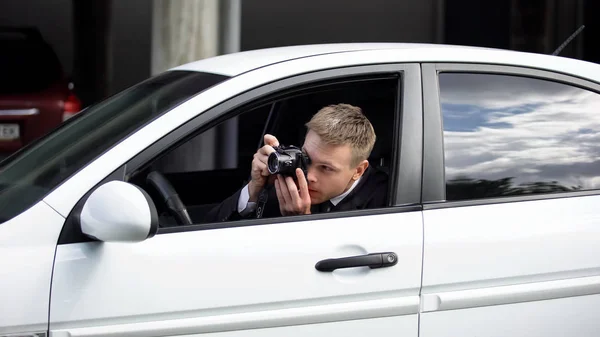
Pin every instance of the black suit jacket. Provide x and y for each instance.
(371, 192)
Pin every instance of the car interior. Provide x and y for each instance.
(283, 115)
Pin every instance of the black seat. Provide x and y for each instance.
(381, 155)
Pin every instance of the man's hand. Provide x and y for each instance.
(260, 173)
(293, 199)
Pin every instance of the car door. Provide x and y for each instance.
(28, 243)
(258, 277)
(511, 203)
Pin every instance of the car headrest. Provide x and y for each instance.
(382, 150)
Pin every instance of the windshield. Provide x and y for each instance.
(27, 176)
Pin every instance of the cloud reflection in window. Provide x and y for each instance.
(512, 135)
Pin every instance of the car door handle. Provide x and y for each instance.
(375, 260)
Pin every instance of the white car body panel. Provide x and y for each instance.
(556, 318)
(27, 246)
(239, 278)
(481, 260)
(497, 295)
(558, 240)
(401, 326)
(238, 63)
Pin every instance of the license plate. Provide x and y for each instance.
(9, 131)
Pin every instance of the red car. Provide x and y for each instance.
(35, 93)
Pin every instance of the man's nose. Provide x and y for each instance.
(311, 175)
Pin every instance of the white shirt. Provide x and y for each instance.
(339, 198)
(246, 207)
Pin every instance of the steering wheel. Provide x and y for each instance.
(170, 197)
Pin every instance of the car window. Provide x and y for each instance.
(216, 163)
(211, 165)
(229, 145)
(510, 135)
(27, 66)
(30, 174)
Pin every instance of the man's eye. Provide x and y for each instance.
(327, 168)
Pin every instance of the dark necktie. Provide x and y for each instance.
(326, 206)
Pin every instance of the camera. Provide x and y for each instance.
(286, 159)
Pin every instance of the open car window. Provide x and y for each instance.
(214, 164)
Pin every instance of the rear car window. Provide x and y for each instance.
(508, 135)
(27, 66)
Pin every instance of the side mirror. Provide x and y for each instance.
(119, 212)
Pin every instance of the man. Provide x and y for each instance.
(338, 141)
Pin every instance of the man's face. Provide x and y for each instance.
(330, 173)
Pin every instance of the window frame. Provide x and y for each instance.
(407, 149)
(434, 179)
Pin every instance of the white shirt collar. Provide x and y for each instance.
(336, 200)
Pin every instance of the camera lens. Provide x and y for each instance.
(273, 163)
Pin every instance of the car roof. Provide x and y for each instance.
(237, 63)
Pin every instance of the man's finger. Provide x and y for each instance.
(271, 140)
(278, 191)
(264, 158)
(293, 189)
(285, 193)
(265, 171)
(262, 167)
(265, 151)
(256, 165)
(302, 184)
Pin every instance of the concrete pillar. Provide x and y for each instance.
(230, 42)
(184, 31)
(188, 30)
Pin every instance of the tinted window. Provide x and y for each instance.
(27, 66)
(512, 135)
(30, 174)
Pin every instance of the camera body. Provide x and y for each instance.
(286, 159)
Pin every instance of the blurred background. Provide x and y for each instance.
(73, 53)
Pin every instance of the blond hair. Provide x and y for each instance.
(345, 124)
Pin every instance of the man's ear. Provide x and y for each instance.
(360, 169)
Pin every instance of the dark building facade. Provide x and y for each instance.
(107, 45)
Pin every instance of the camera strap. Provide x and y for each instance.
(262, 201)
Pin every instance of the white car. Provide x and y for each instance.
(492, 226)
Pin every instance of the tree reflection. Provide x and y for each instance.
(463, 188)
